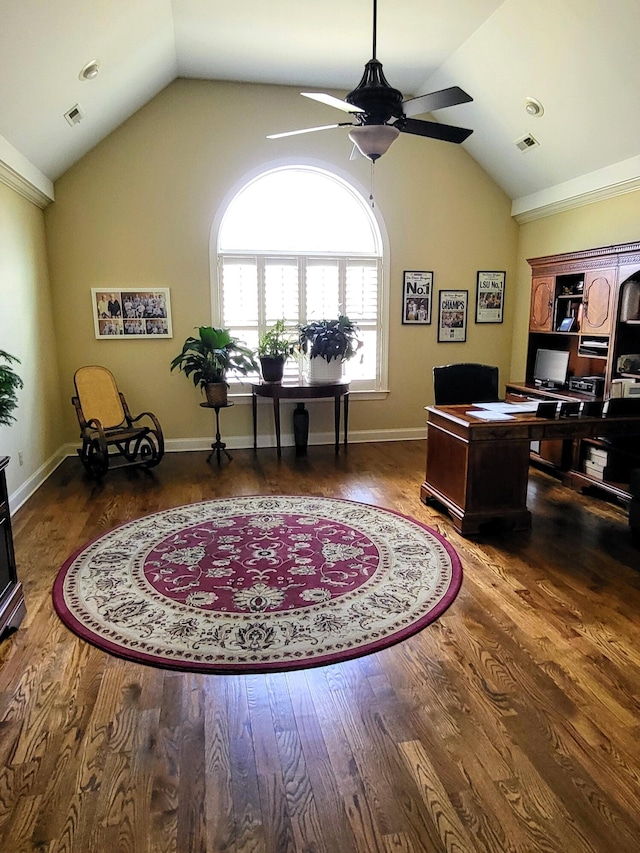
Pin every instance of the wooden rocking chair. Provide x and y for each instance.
(107, 429)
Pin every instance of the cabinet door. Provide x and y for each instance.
(7, 570)
(541, 317)
(597, 300)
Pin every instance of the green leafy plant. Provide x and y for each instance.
(10, 383)
(208, 358)
(276, 342)
(330, 339)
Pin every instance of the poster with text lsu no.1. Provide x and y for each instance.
(490, 297)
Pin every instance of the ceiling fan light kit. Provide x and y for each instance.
(373, 140)
(381, 114)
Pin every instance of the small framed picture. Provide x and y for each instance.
(452, 316)
(417, 297)
(567, 324)
(490, 297)
(131, 312)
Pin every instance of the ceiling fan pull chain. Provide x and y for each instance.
(372, 174)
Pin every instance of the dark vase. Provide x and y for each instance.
(301, 429)
(272, 368)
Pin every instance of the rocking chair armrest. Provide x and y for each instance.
(150, 415)
(95, 424)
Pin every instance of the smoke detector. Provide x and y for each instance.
(533, 107)
(74, 115)
(90, 70)
(527, 142)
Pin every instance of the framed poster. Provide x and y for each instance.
(490, 297)
(452, 316)
(131, 312)
(417, 288)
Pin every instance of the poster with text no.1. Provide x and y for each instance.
(416, 297)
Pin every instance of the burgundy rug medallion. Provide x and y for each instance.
(259, 583)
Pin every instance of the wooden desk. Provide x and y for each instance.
(278, 392)
(478, 469)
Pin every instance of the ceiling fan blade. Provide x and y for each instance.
(307, 130)
(435, 101)
(445, 132)
(332, 102)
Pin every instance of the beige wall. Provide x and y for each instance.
(604, 223)
(138, 211)
(26, 331)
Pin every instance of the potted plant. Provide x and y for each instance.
(274, 348)
(208, 358)
(327, 341)
(10, 383)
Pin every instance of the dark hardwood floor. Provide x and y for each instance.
(510, 724)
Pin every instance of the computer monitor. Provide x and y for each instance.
(551, 368)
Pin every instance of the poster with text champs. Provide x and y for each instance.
(452, 316)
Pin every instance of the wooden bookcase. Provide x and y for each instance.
(587, 303)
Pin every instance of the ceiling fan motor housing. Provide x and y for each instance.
(375, 96)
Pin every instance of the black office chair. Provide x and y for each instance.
(465, 383)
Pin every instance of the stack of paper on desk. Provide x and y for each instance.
(502, 411)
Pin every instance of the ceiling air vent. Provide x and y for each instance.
(74, 115)
(527, 142)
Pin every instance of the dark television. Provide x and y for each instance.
(551, 368)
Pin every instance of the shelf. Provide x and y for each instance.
(619, 490)
(589, 354)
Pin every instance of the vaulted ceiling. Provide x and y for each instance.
(579, 58)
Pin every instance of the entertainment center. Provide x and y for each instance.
(584, 330)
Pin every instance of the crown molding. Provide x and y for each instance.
(21, 175)
(615, 180)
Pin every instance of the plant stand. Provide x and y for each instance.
(218, 445)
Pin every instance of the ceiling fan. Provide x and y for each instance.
(381, 113)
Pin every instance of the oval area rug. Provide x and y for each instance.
(258, 583)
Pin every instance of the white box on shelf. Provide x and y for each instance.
(593, 469)
(598, 454)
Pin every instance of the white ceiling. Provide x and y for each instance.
(578, 57)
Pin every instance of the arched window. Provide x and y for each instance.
(299, 243)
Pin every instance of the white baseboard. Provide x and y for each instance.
(33, 483)
(238, 442)
(178, 445)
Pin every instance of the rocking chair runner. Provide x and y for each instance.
(107, 428)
